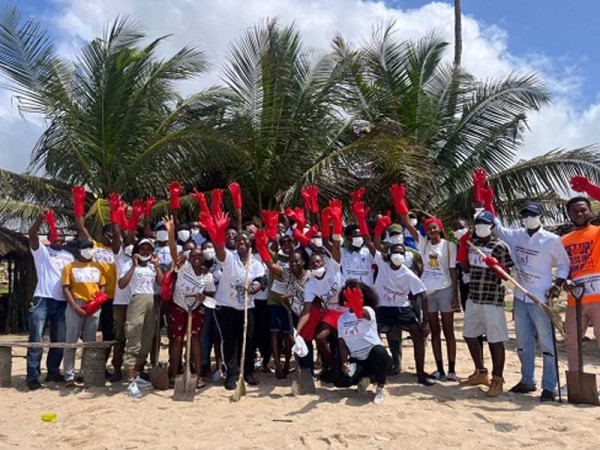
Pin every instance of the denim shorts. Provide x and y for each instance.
(278, 319)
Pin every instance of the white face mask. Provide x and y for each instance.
(413, 222)
(209, 254)
(87, 253)
(483, 230)
(397, 259)
(532, 223)
(162, 235)
(357, 242)
(317, 242)
(183, 235)
(195, 231)
(128, 250)
(460, 233)
(144, 258)
(318, 272)
(396, 239)
(186, 254)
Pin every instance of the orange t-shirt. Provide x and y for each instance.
(583, 247)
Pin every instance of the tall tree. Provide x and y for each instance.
(457, 33)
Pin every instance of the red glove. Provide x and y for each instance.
(216, 202)
(236, 195)
(222, 221)
(304, 239)
(357, 196)
(270, 222)
(487, 194)
(207, 222)
(49, 218)
(175, 193)
(121, 216)
(93, 306)
(78, 200)
(326, 223)
(382, 224)
(361, 213)
(305, 193)
(201, 199)
(480, 179)
(462, 254)
(335, 206)
(114, 201)
(495, 265)
(296, 215)
(398, 192)
(260, 241)
(582, 184)
(354, 301)
(150, 201)
(313, 191)
(138, 210)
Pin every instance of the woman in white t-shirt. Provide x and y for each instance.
(362, 354)
(439, 276)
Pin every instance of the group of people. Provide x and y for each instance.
(310, 275)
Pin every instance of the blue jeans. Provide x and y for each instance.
(530, 320)
(45, 310)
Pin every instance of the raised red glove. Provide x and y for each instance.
(121, 216)
(313, 191)
(49, 218)
(296, 215)
(150, 201)
(487, 194)
(216, 202)
(114, 201)
(398, 192)
(326, 223)
(175, 193)
(93, 306)
(78, 200)
(201, 199)
(236, 195)
(222, 221)
(580, 183)
(382, 224)
(260, 241)
(357, 196)
(462, 254)
(270, 222)
(304, 239)
(361, 212)
(207, 222)
(138, 210)
(307, 198)
(495, 265)
(354, 301)
(335, 206)
(480, 178)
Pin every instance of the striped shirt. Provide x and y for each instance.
(485, 288)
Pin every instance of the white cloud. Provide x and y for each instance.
(213, 25)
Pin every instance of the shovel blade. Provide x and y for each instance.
(185, 387)
(159, 377)
(582, 388)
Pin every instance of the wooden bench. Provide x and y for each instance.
(93, 359)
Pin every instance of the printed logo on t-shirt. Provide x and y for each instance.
(60, 260)
(104, 255)
(86, 274)
(579, 254)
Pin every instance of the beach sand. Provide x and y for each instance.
(413, 416)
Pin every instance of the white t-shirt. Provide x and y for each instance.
(394, 286)
(49, 265)
(199, 239)
(164, 256)
(123, 264)
(437, 261)
(230, 292)
(142, 281)
(357, 265)
(189, 284)
(264, 293)
(360, 335)
(328, 288)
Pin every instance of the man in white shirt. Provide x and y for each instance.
(48, 304)
(535, 253)
(356, 259)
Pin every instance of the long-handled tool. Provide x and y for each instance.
(302, 381)
(581, 386)
(159, 373)
(185, 385)
(556, 361)
(240, 388)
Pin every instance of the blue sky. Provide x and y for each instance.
(557, 39)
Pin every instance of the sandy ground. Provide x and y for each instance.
(444, 416)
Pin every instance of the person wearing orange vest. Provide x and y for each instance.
(583, 248)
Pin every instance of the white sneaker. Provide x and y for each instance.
(379, 395)
(218, 375)
(133, 390)
(142, 384)
(363, 385)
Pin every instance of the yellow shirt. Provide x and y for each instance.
(106, 258)
(84, 278)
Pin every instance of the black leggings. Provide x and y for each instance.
(231, 322)
(375, 366)
(262, 336)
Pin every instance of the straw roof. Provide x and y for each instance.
(12, 241)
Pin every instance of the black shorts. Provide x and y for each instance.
(393, 316)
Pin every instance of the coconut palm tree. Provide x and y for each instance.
(115, 120)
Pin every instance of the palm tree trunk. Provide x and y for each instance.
(457, 34)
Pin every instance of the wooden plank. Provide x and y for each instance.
(23, 344)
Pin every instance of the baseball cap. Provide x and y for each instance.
(484, 217)
(532, 207)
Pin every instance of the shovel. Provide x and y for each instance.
(581, 386)
(159, 373)
(302, 382)
(185, 385)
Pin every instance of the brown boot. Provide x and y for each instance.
(495, 387)
(479, 377)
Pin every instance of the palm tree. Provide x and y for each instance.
(457, 33)
(115, 120)
(430, 124)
